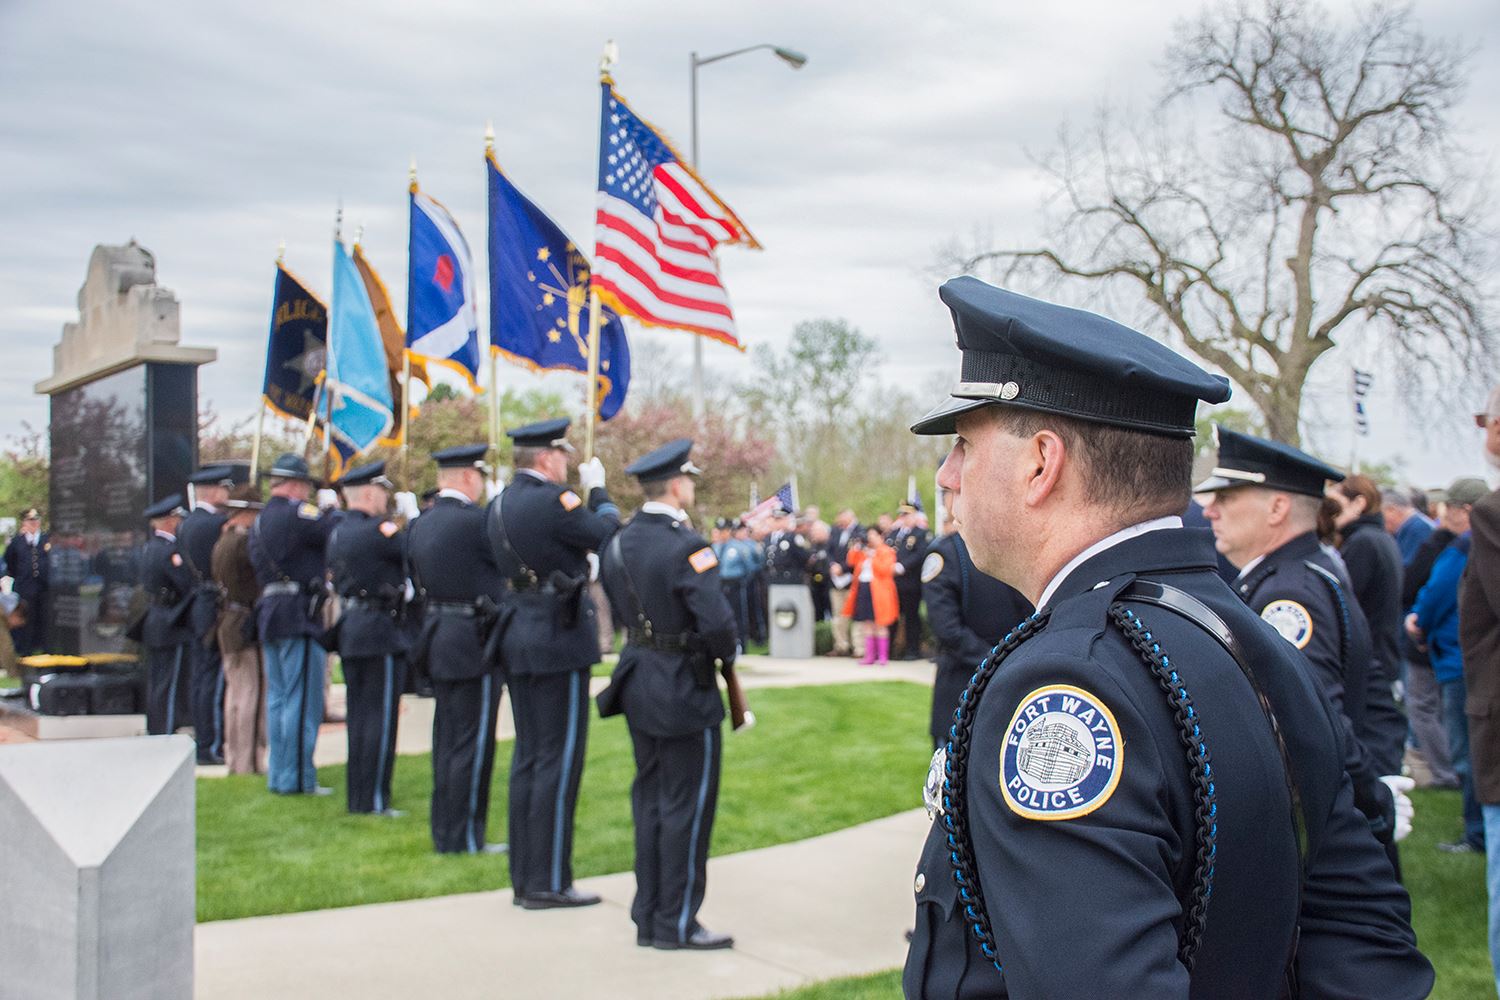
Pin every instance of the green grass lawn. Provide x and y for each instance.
(819, 759)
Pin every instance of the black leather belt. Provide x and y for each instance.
(282, 588)
(666, 642)
(354, 602)
(452, 609)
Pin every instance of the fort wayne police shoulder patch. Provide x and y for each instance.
(1062, 754)
(1291, 620)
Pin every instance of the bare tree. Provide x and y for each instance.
(1332, 204)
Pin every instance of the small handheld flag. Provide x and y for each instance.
(441, 318)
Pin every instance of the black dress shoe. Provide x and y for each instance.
(210, 760)
(494, 849)
(569, 897)
(642, 939)
(701, 939)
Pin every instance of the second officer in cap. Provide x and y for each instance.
(367, 557)
(462, 590)
(165, 631)
(196, 538)
(542, 533)
(663, 582)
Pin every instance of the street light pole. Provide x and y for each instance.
(792, 58)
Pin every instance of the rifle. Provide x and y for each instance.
(740, 716)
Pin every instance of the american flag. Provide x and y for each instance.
(657, 225)
(781, 500)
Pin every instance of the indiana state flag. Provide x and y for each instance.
(294, 351)
(358, 383)
(539, 296)
(442, 323)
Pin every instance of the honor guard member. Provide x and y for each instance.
(909, 539)
(195, 540)
(367, 557)
(27, 563)
(787, 553)
(663, 582)
(969, 612)
(288, 547)
(454, 569)
(1142, 792)
(165, 631)
(1263, 502)
(542, 533)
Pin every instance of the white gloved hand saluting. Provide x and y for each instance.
(327, 499)
(406, 505)
(1405, 811)
(591, 475)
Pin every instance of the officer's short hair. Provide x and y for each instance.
(525, 457)
(1138, 475)
(655, 489)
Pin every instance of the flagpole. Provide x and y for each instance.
(591, 415)
(405, 419)
(489, 152)
(260, 420)
(329, 362)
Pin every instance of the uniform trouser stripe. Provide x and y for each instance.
(479, 741)
(692, 858)
(565, 775)
(172, 692)
(385, 733)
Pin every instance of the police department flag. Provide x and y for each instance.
(294, 350)
(656, 227)
(539, 296)
(358, 381)
(442, 322)
(392, 337)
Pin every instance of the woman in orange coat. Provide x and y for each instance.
(872, 598)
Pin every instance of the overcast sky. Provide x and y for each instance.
(211, 132)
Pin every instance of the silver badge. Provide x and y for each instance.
(1010, 390)
(932, 788)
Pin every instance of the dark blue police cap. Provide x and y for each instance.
(464, 456)
(165, 507)
(543, 434)
(1251, 461)
(367, 475)
(1020, 351)
(213, 475)
(666, 462)
(290, 466)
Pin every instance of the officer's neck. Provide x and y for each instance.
(1276, 537)
(1075, 545)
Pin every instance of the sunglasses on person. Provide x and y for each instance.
(1482, 420)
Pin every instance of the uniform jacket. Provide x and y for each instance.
(1091, 904)
(234, 575)
(735, 559)
(288, 543)
(552, 625)
(911, 548)
(1374, 564)
(838, 543)
(196, 537)
(1479, 634)
(674, 575)
(882, 585)
(453, 565)
(367, 557)
(1302, 592)
(27, 564)
(168, 586)
(787, 556)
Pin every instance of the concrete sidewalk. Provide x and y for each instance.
(836, 905)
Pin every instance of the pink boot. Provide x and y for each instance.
(883, 650)
(869, 657)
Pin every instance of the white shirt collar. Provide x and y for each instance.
(657, 507)
(205, 505)
(1249, 566)
(167, 535)
(533, 473)
(1109, 542)
(455, 494)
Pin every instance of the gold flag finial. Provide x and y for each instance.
(607, 60)
(411, 175)
(489, 137)
(281, 252)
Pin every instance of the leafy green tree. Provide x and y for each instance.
(23, 472)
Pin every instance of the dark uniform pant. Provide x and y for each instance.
(737, 593)
(909, 600)
(951, 679)
(208, 699)
(29, 638)
(672, 800)
(374, 685)
(166, 689)
(463, 760)
(822, 607)
(552, 727)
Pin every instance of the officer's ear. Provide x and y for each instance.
(1278, 509)
(1048, 456)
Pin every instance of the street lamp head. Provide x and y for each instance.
(791, 57)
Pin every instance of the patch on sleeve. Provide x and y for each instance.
(568, 499)
(389, 528)
(703, 560)
(932, 566)
(1062, 755)
(308, 511)
(1291, 620)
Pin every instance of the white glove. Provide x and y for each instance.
(327, 499)
(591, 475)
(406, 505)
(1405, 811)
(592, 558)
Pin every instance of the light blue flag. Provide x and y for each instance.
(358, 381)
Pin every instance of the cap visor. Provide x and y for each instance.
(944, 418)
(1215, 484)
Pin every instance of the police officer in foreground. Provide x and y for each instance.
(663, 582)
(367, 557)
(196, 537)
(454, 569)
(969, 611)
(909, 539)
(165, 631)
(542, 533)
(1263, 502)
(1117, 814)
(288, 547)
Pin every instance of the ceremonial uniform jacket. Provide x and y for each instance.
(288, 547)
(787, 557)
(454, 568)
(838, 544)
(26, 564)
(969, 610)
(234, 575)
(168, 586)
(736, 560)
(1302, 591)
(911, 548)
(660, 567)
(1077, 810)
(195, 540)
(552, 625)
(367, 557)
